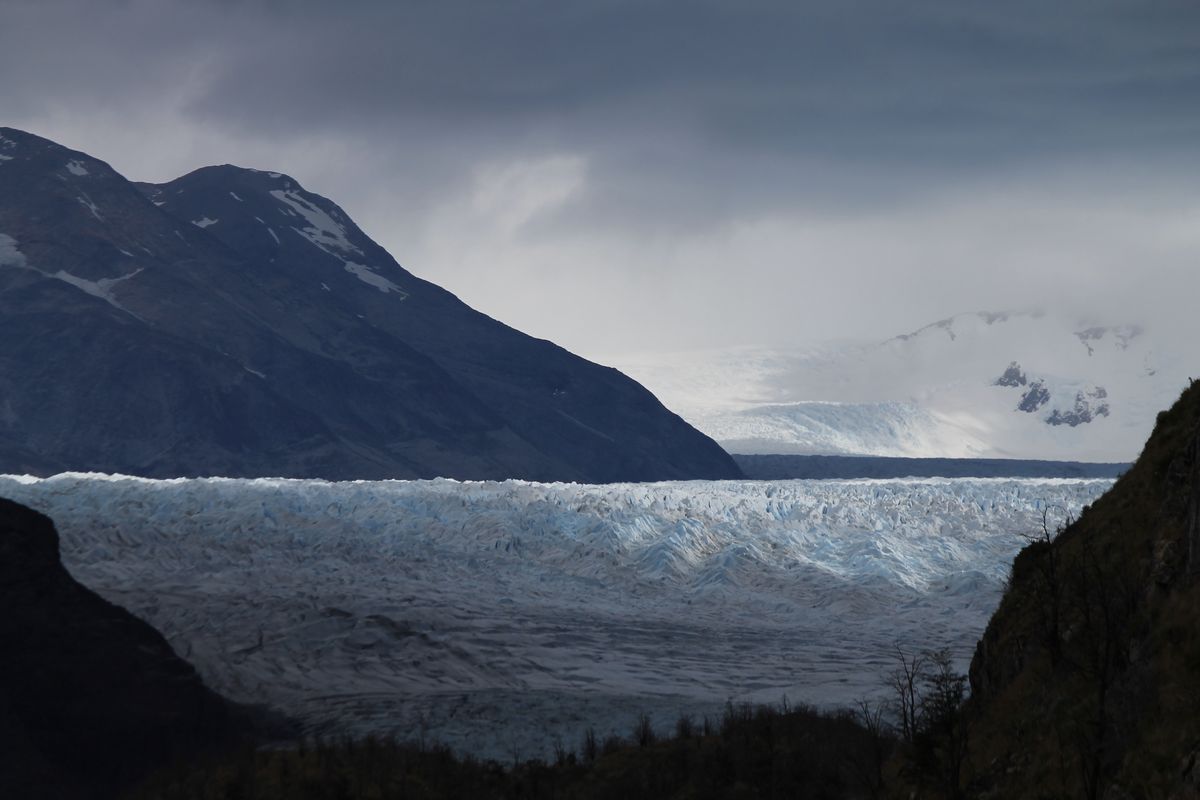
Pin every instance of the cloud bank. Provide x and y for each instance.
(621, 175)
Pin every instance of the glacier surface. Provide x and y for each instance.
(502, 617)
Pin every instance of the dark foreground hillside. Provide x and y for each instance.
(91, 697)
(1087, 681)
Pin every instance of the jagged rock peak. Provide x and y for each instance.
(1036, 396)
(1013, 376)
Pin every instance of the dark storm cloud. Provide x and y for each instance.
(876, 79)
(820, 147)
(947, 83)
(753, 97)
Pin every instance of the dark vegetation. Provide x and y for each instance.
(915, 741)
(785, 467)
(751, 752)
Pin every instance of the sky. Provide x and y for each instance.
(626, 177)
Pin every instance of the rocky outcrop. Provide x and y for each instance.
(1089, 405)
(91, 697)
(1084, 683)
(1034, 398)
(1013, 376)
(1121, 335)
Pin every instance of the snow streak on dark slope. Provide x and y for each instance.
(231, 323)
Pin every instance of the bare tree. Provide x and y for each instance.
(643, 731)
(685, 726)
(590, 747)
(942, 732)
(905, 683)
(1046, 561)
(872, 716)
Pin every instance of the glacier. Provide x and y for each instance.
(503, 617)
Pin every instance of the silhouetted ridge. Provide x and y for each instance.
(92, 697)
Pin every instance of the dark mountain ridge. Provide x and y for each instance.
(231, 323)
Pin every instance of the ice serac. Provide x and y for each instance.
(231, 323)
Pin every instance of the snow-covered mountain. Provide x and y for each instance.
(987, 385)
(494, 615)
(230, 322)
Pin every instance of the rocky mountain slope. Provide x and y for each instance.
(1087, 681)
(91, 697)
(232, 323)
(985, 385)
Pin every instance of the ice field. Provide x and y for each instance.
(499, 617)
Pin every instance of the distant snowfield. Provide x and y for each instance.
(934, 393)
(499, 617)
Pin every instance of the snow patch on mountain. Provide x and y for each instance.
(322, 230)
(204, 222)
(330, 236)
(76, 167)
(87, 203)
(372, 278)
(103, 288)
(488, 614)
(11, 256)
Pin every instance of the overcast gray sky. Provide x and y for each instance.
(624, 176)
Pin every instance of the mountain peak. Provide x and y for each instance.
(232, 174)
(21, 149)
(272, 216)
(241, 325)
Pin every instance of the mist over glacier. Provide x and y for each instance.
(488, 614)
(1006, 384)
